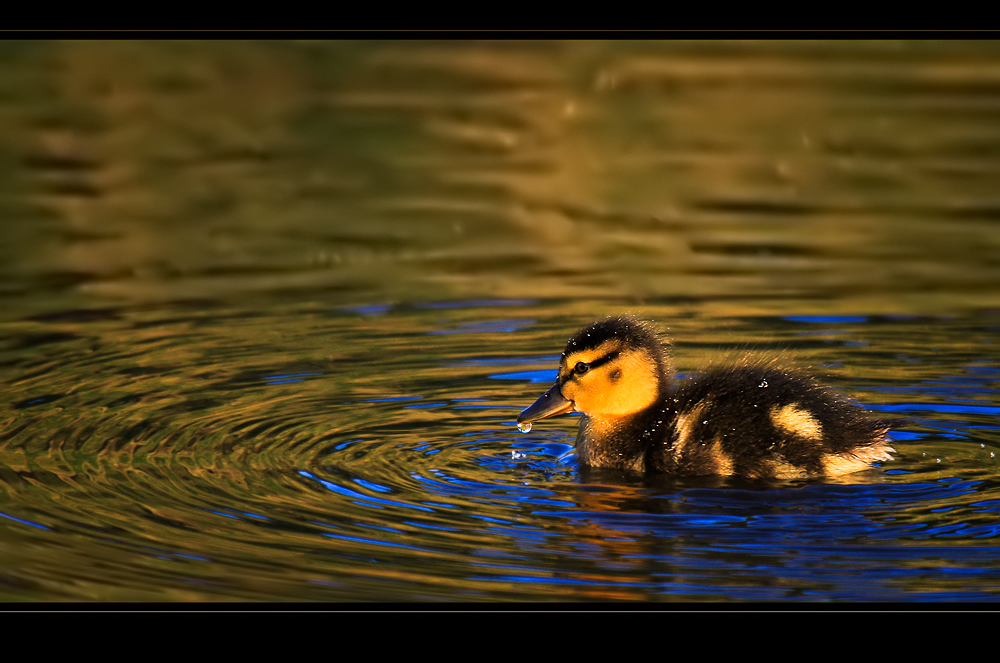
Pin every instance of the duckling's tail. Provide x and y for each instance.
(859, 458)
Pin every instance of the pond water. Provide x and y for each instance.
(270, 311)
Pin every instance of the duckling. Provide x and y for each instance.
(751, 418)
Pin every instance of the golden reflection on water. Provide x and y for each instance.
(802, 175)
(269, 309)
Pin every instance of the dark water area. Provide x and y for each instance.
(269, 311)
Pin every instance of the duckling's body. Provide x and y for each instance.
(751, 419)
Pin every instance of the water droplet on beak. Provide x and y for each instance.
(524, 427)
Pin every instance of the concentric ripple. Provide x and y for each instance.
(328, 454)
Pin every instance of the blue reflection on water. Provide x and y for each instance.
(440, 528)
(344, 445)
(827, 319)
(936, 407)
(549, 579)
(372, 486)
(367, 310)
(398, 399)
(507, 361)
(289, 377)
(531, 376)
(23, 521)
(375, 542)
(366, 500)
(197, 558)
(475, 303)
(484, 327)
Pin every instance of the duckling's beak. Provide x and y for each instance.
(549, 404)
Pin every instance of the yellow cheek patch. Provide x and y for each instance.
(793, 419)
(621, 387)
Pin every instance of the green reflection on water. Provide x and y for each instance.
(185, 221)
(791, 176)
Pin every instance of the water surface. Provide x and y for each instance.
(269, 312)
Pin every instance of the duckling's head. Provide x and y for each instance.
(614, 368)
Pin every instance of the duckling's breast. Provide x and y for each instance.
(613, 442)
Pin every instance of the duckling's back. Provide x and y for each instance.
(756, 420)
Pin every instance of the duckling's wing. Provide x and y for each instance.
(759, 420)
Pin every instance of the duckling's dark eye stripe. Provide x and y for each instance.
(611, 356)
(600, 361)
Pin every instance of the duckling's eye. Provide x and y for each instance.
(581, 368)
